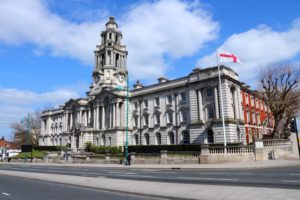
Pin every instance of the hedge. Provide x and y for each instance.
(89, 147)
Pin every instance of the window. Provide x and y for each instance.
(210, 136)
(185, 137)
(210, 112)
(252, 101)
(182, 97)
(248, 117)
(146, 120)
(183, 116)
(135, 121)
(257, 104)
(103, 140)
(171, 138)
(156, 101)
(158, 139)
(247, 99)
(147, 139)
(146, 103)
(209, 92)
(169, 99)
(135, 105)
(136, 139)
(157, 118)
(253, 118)
(169, 117)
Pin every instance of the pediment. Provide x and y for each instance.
(106, 95)
(72, 104)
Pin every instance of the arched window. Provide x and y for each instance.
(158, 138)
(185, 137)
(136, 139)
(103, 139)
(147, 139)
(210, 136)
(171, 138)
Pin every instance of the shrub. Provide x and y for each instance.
(89, 147)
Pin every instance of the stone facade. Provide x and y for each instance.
(184, 110)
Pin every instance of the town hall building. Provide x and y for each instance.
(185, 110)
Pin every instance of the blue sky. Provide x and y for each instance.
(46, 46)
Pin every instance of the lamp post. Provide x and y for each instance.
(120, 88)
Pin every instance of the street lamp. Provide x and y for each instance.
(120, 88)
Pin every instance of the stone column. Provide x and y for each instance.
(103, 117)
(80, 117)
(200, 105)
(89, 117)
(117, 115)
(71, 120)
(216, 103)
(113, 115)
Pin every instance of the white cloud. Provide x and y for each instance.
(15, 104)
(258, 47)
(151, 31)
(173, 28)
(31, 22)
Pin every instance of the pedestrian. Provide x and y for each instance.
(128, 159)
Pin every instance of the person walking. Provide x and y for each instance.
(129, 159)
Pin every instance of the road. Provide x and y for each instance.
(284, 177)
(13, 188)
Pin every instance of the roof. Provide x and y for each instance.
(4, 143)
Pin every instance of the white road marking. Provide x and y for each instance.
(294, 174)
(150, 170)
(221, 173)
(55, 171)
(209, 179)
(140, 176)
(131, 173)
(115, 172)
(291, 181)
(6, 194)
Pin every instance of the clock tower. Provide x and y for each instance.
(110, 69)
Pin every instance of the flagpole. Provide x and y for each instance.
(222, 104)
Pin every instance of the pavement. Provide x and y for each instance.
(172, 190)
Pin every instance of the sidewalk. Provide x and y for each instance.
(164, 189)
(241, 165)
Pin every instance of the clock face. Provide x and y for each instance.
(97, 79)
(121, 79)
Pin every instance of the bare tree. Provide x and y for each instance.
(281, 93)
(29, 124)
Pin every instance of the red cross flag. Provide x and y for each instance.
(226, 57)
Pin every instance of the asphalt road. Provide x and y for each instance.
(285, 177)
(14, 188)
